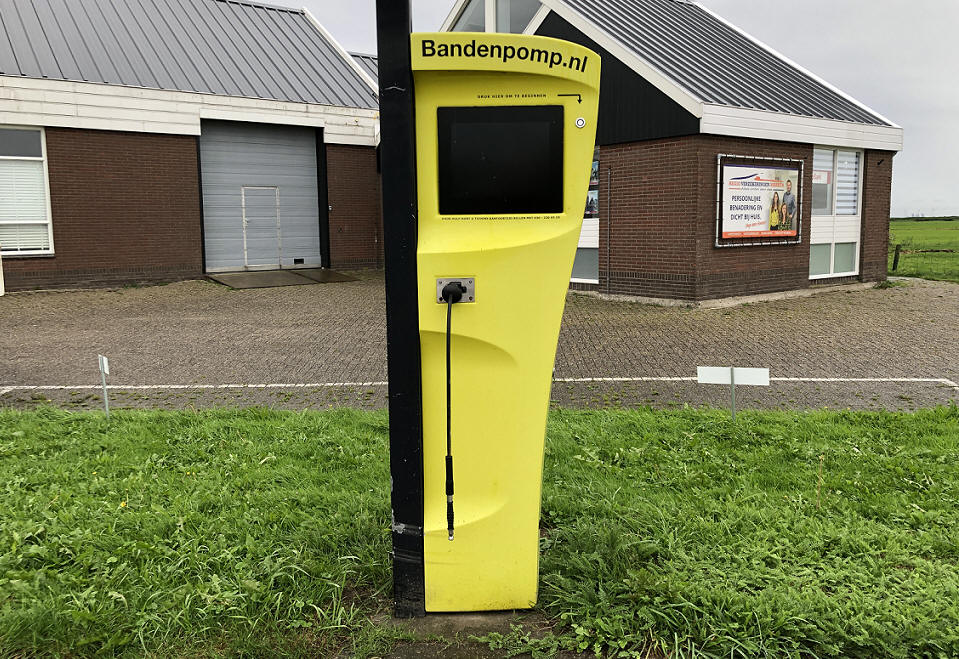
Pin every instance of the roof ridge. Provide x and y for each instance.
(260, 5)
(356, 53)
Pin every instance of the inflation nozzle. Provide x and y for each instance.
(449, 515)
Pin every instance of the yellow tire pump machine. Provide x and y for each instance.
(505, 129)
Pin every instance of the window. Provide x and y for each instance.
(844, 257)
(827, 260)
(836, 213)
(586, 266)
(820, 260)
(514, 15)
(822, 180)
(847, 183)
(500, 160)
(473, 17)
(25, 227)
(510, 15)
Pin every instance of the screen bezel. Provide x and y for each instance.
(552, 115)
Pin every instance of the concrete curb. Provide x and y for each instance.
(727, 302)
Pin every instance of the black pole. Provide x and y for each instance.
(398, 158)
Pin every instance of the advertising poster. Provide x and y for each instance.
(594, 176)
(592, 203)
(760, 202)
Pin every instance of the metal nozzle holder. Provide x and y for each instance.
(469, 297)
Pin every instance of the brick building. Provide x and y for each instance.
(165, 139)
(692, 111)
(159, 140)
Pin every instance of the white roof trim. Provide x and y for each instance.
(97, 106)
(767, 125)
(801, 68)
(342, 51)
(667, 85)
(537, 19)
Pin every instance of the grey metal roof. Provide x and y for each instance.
(224, 47)
(370, 64)
(715, 62)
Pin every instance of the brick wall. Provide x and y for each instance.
(354, 195)
(876, 192)
(730, 271)
(125, 208)
(663, 210)
(652, 203)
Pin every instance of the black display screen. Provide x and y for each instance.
(501, 160)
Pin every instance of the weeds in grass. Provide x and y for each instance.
(522, 642)
(887, 284)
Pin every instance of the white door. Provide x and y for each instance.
(261, 227)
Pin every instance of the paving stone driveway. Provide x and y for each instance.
(202, 334)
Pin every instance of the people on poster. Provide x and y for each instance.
(592, 203)
(789, 201)
(774, 210)
(594, 176)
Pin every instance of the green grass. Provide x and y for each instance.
(193, 533)
(260, 533)
(917, 236)
(710, 537)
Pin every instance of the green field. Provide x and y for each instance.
(919, 236)
(261, 533)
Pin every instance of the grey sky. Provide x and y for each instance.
(896, 56)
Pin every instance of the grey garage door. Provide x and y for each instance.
(260, 202)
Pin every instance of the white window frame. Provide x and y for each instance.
(832, 218)
(491, 15)
(495, 23)
(46, 189)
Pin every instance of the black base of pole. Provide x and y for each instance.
(398, 164)
(408, 594)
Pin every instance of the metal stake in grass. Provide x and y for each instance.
(822, 458)
(732, 390)
(104, 372)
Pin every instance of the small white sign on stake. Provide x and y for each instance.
(755, 377)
